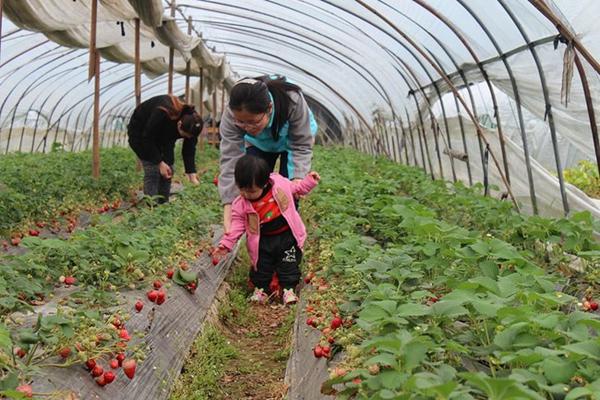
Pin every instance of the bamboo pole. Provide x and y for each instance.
(188, 66)
(171, 56)
(95, 58)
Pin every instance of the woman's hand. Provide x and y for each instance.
(165, 170)
(193, 178)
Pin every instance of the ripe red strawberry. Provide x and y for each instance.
(123, 334)
(26, 390)
(65, 352)
(330, 339)
(109, 376)
(139, 305)
(114, 363)
(191, 287)
(309, 277)
(311, 322)
(101, 380)
(34, 232)
(117, 323)
(40, 224)
(152, 295)
(90, 364)
(318, 351)
(336, 322)
(215, 260)
(19, 352)
(161, 297)
(170, 273)
(216, 180)
(274, 286)
(15, 241)
(70, 280)
(157, 284)
(325, 350)
(97, 371)
(593, 305)
(120, 358)
(129, 368)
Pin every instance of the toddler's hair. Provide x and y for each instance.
(251, 171)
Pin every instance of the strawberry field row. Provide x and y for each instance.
(447, 294)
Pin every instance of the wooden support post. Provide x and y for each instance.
(138, 66)
(1, 31)
(95, 61)
(201, 105)
(137, 77)
(201, 96)
(171, 55)
(188, 67)
(213, 136)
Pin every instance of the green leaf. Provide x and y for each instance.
(182, 278)
(5, 341)
(505, 339)
(589, 348)
(500, 388)
(384, 359)
(412, 310)
(558, 370)
(414, 354)
(11, 381)
(486, 308)
(489, 269)
(578, 393)
(449, 308)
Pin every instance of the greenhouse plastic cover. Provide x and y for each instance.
(351, 57)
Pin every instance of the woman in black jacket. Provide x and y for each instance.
(155, 126)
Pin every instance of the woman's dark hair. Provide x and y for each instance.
(191, 123)
(251, 171)
(252, 95)
(176, 109)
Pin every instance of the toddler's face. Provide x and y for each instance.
(252, 193)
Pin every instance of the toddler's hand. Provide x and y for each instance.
(314, 175)
(217, 254)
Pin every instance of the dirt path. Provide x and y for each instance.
(243, 354)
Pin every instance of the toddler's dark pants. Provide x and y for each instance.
(278, 253)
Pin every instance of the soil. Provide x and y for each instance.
(259, 369)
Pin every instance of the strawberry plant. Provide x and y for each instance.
(447, 294)
(40, 187)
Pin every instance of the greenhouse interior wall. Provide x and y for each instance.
(499, 95)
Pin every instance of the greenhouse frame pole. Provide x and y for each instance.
(96, 60)
(471, 51)
(549, 113)
(1, 31)
(404, 140)
(201, 94)
(454, 90)
(517, 100)
(547, 12)
(188, 66)
(412, 140)
(30, 86)
(424, 134)
(590, 107)
(138, 66)
(171, 56)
